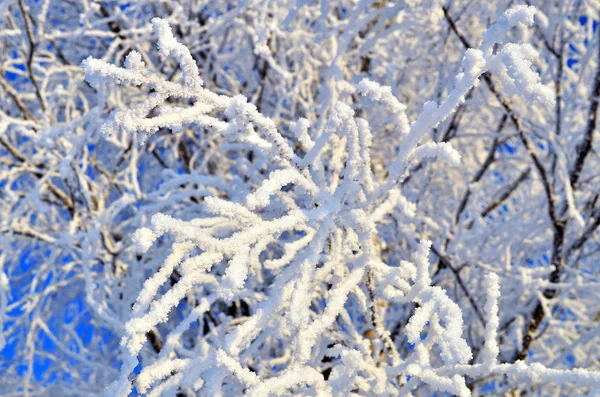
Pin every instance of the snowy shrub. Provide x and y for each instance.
(259, 216)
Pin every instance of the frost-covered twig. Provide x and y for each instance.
(299, 199)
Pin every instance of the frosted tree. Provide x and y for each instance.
(317, 212)
(253, 213)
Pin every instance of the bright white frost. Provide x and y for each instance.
(336, 212)
(253, 212)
